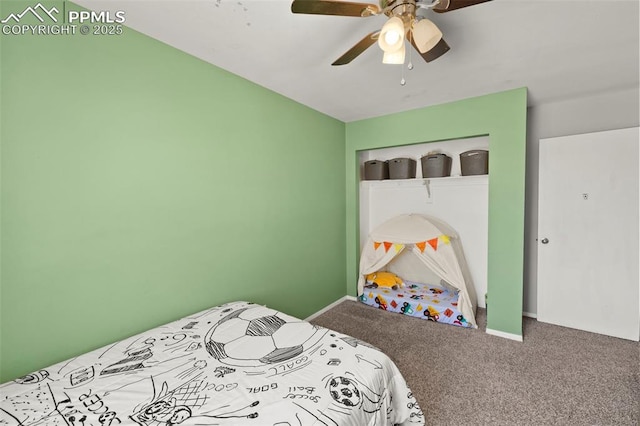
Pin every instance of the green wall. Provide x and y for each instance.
(501, 116)
(140, 184)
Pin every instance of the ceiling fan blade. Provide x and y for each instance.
(356, 50)
(436, 51)
(328, 7)
(449, 5)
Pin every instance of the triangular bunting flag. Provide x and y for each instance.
(421, 246)
(445, 239)
(387, 246)
(398, 247)
(376, 245)
(433, 243)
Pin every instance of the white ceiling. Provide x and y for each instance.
(559, 49)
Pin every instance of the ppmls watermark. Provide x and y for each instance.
(42, 20)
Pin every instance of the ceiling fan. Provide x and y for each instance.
(403, 24)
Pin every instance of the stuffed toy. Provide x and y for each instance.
(385, 279)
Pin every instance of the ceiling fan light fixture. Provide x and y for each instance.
(396, 57)
(392, 35)
(426, 35)
(403, 24)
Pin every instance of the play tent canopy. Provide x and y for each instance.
(417, 247)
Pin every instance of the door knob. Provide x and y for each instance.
(545, 241)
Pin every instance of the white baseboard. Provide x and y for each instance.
(509, 336)
(498, 333)
(333, 305)
(530, 315)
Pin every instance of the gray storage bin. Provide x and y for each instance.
(474, 162)
(376, 170)
(436, 165)
(402, 168)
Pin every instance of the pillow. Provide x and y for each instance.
(385, 279)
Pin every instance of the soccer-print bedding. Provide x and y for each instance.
(235, 364)
(419, 300)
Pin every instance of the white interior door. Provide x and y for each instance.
(588, 272)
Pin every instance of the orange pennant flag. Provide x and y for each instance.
(421, 246)
(433, 243)
(376, 245)
(387, 246)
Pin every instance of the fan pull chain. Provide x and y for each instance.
(402, 80)
(410, 65)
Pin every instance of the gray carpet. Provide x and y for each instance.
(557, 376)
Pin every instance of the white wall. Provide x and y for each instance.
(597, 112)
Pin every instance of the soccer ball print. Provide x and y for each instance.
(259, 336)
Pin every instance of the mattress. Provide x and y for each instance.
(419, 300)
(234, 364)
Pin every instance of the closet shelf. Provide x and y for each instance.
(438, 181)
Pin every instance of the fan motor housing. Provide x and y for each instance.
(399, 8)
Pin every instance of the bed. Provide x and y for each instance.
(234, 364)
(427, 301)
